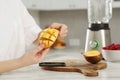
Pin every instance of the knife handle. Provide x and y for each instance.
(52, 64)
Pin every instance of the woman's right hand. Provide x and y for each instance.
(27, 59)
(35, 56)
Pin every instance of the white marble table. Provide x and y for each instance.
(34, 72)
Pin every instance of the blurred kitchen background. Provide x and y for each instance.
(73, 13)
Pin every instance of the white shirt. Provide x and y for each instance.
(17, 29)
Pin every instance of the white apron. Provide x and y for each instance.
(17, 29)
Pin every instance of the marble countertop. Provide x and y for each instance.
(34, 72)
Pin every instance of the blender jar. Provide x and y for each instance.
(99, 11)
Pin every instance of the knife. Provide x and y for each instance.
(63, 63)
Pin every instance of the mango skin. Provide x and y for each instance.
(48, 37)
(93, 59)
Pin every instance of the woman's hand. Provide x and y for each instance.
(62, 28)
(35, 56)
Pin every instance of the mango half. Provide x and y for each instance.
(48, 37)
(93, 56)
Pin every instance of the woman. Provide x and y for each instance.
(18, 31)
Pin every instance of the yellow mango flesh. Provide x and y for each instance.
(48, 37)
(92, 53)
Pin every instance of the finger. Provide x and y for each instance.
(64, 31)
(43, 53)
(63, 34)
(63, 28)
(55, 25)
(39, 48)
(58, 26)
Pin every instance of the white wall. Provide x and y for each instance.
(77, 23)
(115, 26)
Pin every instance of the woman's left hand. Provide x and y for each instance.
(62, 28)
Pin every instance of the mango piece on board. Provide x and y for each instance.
(93, 56)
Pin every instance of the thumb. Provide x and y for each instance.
(42, 55)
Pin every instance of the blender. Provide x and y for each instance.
(98, 32)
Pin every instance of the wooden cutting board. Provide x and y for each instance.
(81, 66)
